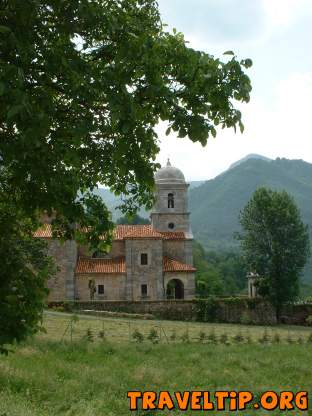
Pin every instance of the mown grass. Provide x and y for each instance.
(46, 377)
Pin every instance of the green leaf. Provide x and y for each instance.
(247, 63)
(241, 127)
(4, 29)
(168, 131)
(213, 132)
(14, 110)
(182, 133)
(229, 53)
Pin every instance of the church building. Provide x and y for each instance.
(146, 262)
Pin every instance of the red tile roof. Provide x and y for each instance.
(107, 266)
(85, 265)
(45, 231)
(125, 231)
(141, 231)
(170, 265)
(173, 235)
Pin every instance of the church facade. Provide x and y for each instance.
(146, 262)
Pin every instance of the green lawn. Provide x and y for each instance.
(47, 376)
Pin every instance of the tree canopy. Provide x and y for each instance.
(83, 85)
(275, 243)
(23, 275)
(133, 220)
(222, 273)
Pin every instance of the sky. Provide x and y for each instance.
(276, 35)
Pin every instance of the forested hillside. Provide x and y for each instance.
(216, 204)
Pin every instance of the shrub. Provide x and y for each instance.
(89, 335)
(102, 335)
(153, 336)
(276, 338)
(173, 336)
(201, 336)
(309, 340)
(206, 309)
(138, 336)
(212, 339)
(185, 337)
(224, 339)
(238, 338)
(300, 340)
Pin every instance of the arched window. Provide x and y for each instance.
(170, 201)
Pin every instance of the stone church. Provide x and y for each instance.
(146, 262)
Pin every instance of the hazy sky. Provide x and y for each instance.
(277, 36)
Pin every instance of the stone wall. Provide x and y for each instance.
(114, 286)
(172, 310)
(62, 286)
(150, 274)
(233, 310)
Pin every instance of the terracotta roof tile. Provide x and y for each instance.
(173, 235)
(45, 231)
(85, 265)
(135, 231)
(125, 231)
(145, 231)
(170, 265)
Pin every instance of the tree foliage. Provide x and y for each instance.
(83, 85)
(133, 219)
(275, 243)
(23, 276)
(218, 273)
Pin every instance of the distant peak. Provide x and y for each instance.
(248, 157)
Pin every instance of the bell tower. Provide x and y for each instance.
(170, 212)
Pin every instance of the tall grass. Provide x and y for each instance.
(90, 376)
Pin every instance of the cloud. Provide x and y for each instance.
(285, 12)
(215, 21)
(281, 129)
(276, 35)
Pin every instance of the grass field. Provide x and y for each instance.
(50, 375)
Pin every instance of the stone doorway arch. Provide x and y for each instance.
(175, 289)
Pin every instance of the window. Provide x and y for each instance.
(143, 290)
(171, 225)
(170, 201)
(144, 259)
(100, 289)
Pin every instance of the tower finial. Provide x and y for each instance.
(168, 162)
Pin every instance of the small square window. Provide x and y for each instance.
(144, 259)
(143, 290)
(100, 289)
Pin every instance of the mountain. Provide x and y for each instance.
(250, 156)
(215, 205)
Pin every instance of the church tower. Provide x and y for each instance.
(170, 212)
